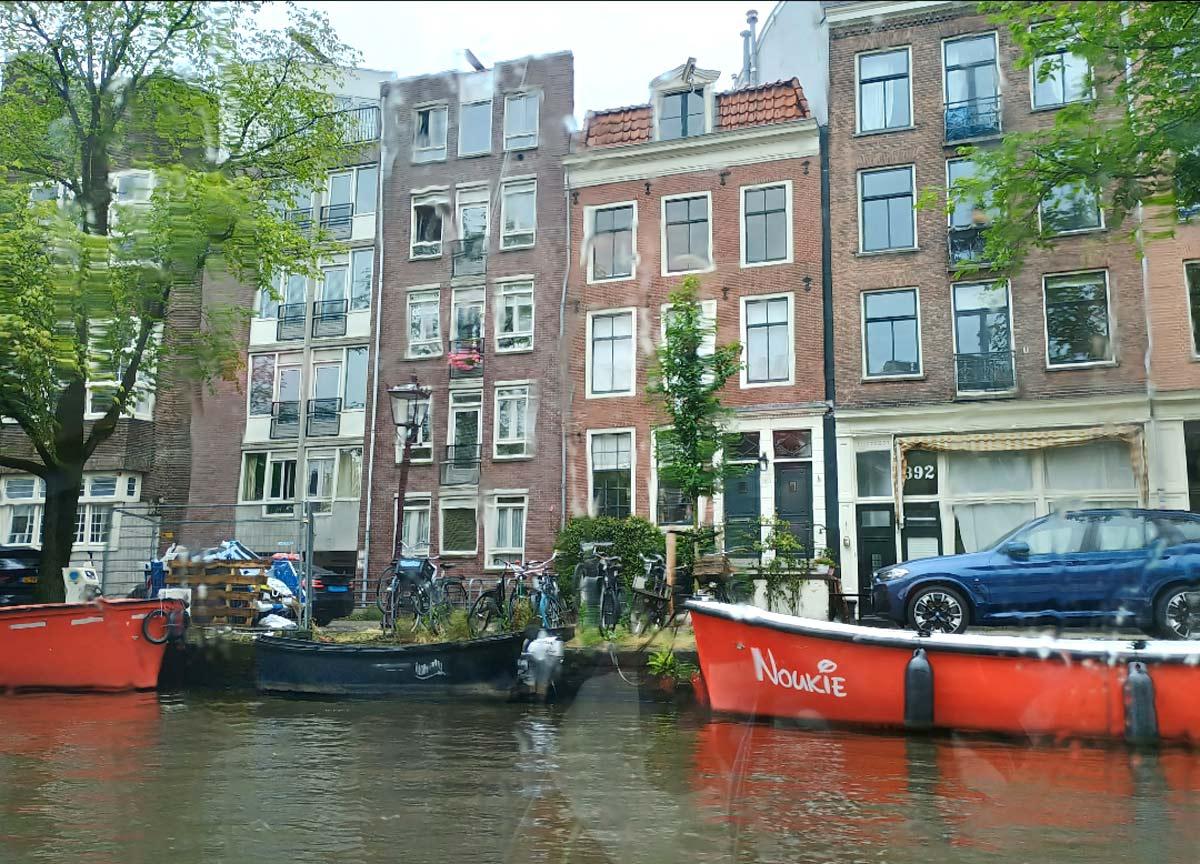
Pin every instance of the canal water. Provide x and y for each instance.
(242, 778)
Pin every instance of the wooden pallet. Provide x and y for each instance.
(221, 592)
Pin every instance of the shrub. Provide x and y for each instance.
(631, 537)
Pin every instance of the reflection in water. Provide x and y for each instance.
(606, 779)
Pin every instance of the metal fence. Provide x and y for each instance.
(143, 532)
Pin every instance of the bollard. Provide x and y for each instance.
(1141, 718)
(918, 692)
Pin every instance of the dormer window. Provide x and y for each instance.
(682, 115)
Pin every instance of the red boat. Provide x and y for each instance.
(757, 663)
(105, 645)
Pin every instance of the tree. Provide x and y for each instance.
(685, 381)
(1136, 140)
(227, 121)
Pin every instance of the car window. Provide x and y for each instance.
(1121, 532)
(1181, 530)
(1058, 535)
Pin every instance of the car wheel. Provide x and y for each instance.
(938, 609)
(1177, 613)
(323, 620)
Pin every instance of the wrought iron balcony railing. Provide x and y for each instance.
(465, 358)
(973, 118)
(461, 465)
(990, 372)
(324, 417)
(469, 256)
(290, 324)
(329, 318)
(285, 420)
(966, 245)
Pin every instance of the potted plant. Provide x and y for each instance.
(466, 359)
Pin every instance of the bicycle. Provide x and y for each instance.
(612, 591)
(495, 610)
(412, 586)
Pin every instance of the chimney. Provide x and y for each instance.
(744, 78)
(752, 65)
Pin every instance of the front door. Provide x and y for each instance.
(876, 542)
(793, 501)
(742, 509)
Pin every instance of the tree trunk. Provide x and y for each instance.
(58, 524)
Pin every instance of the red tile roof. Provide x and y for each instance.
(777, 102)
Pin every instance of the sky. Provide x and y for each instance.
(618, 47)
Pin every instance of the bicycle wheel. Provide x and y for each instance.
(639, 614)
(485, 617)
(610, 613)
(383, 591)
(454, 595)
(551, 611)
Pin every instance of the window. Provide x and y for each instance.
(512, 410)
(424, 323)
(475, 128)
(873, 471)
(1056, 536)
(766, 224)
(472, 211)
(884, 100)
(966, 214)
(521, 121)
(427, 226)
(508, 530)
(886, 217)
(103, 487)
(610, 353)
(460, 532)
(361, 266)
(1071, 207)
(518, 214)
(262, 384)
(708, 317)
(319, 487)
(767, 322)
(290, 289)
(982, 337)
(355, 390)
(349, 472)
(891, 333)
(20, 488)
(271, 479)
(612, 474)
(682, 115)
(1059, 78)
(429, 134)
(366, 182)
(612, 242)
(1077, 321)
(254, 476)
(687, 234)
(333, 284)
(972, 87)
(1118, 532)
(415, 531)
(671, 507)
(514, 328)
(422, 447)
(23, 524)
(466, 321)
(1192, 274)
(93, 523)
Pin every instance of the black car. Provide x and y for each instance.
(18, 574)
(333, 595)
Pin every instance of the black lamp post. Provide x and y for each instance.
(410, 407)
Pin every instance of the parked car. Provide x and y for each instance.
(1107, 567)
(333, 595)
(18, 574)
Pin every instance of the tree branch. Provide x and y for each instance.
(8, 408)
(26, 465)
(103, 428)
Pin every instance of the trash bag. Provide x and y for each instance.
(277, 622)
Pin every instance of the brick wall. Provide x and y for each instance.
(926, 268)
(1173, 359)
(540, 474)
(649, 290)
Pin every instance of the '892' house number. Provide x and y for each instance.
(920, 472)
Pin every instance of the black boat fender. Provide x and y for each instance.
(918, 692)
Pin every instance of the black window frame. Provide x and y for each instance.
(863, 200)
(867, 320)
(689, 221)
(1059, 305)
(1191, 276)
(765, 213)
(680, 98)
(611, 229)
(883, 79)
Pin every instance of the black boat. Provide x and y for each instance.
(486, 666)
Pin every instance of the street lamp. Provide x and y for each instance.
(410, 407)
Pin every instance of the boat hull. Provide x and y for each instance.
(480, 666)
(99, 646)
(764, 664)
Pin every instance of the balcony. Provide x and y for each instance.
(301, 218)
(324, 418)
(972, 118)
(465, 358)
(469, 257)
(461, 465)
(329, 318)
(291, 322)
(337, 220)
(966, 246)
(285, 420)
(985, 373)
(362, 124)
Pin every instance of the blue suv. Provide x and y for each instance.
(1124, 568)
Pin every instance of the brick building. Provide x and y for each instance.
(472, 260)
(726, 186)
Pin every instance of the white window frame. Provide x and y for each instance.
(445, 504)
(632, 311)
(141, 404)
(633, 460)
(475, 295)
(431, 106)
(273, 456)
(422, 198)
(1033, 106)
(912, 170)
(337, 472)
(589, 225)
(491, 122)
(492, 526)
(472, 195)
(536, 95)
(788, 258)
(415, 504)
(858, 130)
(653, 486)
(862, 331)
(746, 384)
(517, 184)
(954, 329)
(323, 504)
(1112, 323)
(420, 293)
(527, 441)
(1073, 231)
(708, 311)
(664, 256)
(421, 442)
(514, 285)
